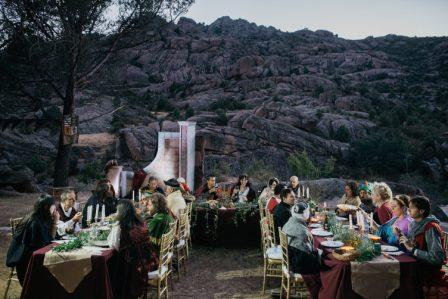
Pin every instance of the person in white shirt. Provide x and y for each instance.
(69, 218)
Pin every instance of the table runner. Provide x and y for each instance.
(378, 278)
(70, 268)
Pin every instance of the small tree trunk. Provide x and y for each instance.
(62, 163)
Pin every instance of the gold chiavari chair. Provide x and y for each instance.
(271, 254)
(181, 246)
(161, 275)
(289, 279)
(188, 237)
(13, 223)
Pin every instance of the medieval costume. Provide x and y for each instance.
(157, 226)
(386, 231)
(110, 204)
(383, 213)
(282, 213)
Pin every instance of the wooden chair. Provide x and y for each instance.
(289, 279)
(161, 275)
(262, 212)
(13, 223)
(272, 259)
(188, 237)
(180, 249)
(271, 226)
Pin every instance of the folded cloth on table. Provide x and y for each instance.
(69, 268)
(377, 278)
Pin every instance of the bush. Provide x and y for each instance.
(189, 112)
(342, 134)
(228, 104)
(221, 118)
(260, 170)
(384, 153)
(91, 172)
(36, 164)
(302, 166)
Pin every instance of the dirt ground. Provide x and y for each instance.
(211, 272)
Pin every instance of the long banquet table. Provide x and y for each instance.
(336, 277)
(224, 232)
(40, 283)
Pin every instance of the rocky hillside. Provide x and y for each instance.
(377, 106)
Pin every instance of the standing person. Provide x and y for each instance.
(350, 197)
(399, 224)
(275, 200)
(174, 199)
(282, 211)
(268, 191)
(210, 190)
(382, 196)
(129, 236)
(242, 191)
(294, 184)
(426, 242)
(102, 196)
(35, 232)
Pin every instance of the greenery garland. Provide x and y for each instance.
(74, 244)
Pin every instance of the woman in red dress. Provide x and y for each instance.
(381, 196)
(136, 257)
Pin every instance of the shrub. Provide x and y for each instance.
(189, 112)
(36, 164)
(228, 104)
(342, 134)
(221, 117)
(91, 172)
(302, 166)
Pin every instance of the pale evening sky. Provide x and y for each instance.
(351, 19)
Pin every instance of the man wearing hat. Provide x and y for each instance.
(365, 194)
(174, 199)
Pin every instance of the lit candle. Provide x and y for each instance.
(89, 213)
(325, 204)
(133, 196)
(103, 213)
(307, 192)
(97, 211)
(371, 220)
(363, 225)
(139, 194)
(350, 221)
(303, 191)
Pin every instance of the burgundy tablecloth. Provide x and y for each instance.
(227, 233)
(40, 283)
(336, 277)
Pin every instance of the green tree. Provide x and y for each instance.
(302, 166)
(59, 47)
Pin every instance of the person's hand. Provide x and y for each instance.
(396, 231)
(139, 211)
(77, 217)
(406, 242)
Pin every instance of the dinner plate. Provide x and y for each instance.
(68, 237)
(315, 225)
(388, 248)
(348, 225)
(320, 232)
(332, 244)
(60, 241)
(341, 218)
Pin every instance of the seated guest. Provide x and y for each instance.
(69, 217)
(275, 200)
(129, 236)
(242, 191)
(381, 196)
(365, 194)
(295, 186)
(103, 195)
(426, 242)
(399, 224)
(35, 232)
(210, 190)
(350, 197)
(184, 185)
(159, 220)
(174, 200)
(153, 186)
(282, 211)
(268, 191)
(303, 258)
(185, 190)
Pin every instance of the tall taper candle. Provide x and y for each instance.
(350, 221)
(97, 212)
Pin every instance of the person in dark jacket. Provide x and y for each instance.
(282, 211)
(242, 191)
(103, 195)
(39, 230)
(153, 187)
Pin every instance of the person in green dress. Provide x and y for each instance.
(160, 221)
